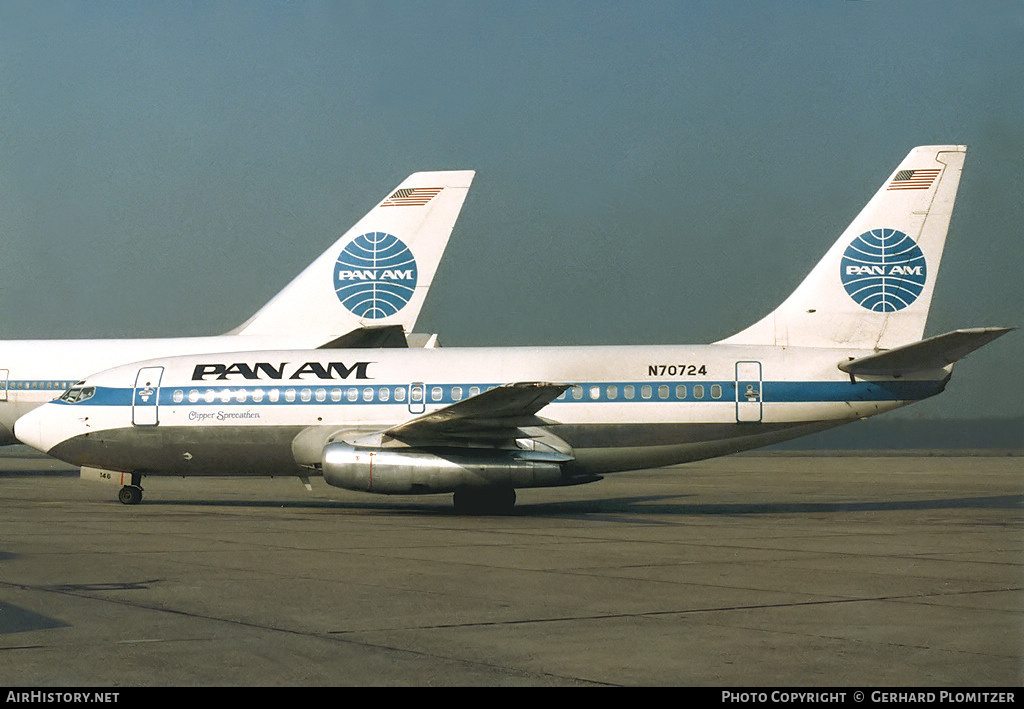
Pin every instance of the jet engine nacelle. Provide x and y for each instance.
(401, 472)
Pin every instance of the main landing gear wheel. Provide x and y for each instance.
(487, 500)
(130, 495)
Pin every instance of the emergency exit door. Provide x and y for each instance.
(417, 398)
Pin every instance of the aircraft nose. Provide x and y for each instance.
(30, 430)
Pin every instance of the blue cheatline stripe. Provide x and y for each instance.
(846, 391)
(583, 393)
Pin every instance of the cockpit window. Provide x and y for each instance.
(76, 394)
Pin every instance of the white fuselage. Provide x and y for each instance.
(627, 407)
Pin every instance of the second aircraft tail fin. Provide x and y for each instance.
(873, 288)
(378, 273)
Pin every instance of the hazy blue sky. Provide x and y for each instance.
(647, 172)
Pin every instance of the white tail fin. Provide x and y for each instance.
(378, 273)
(873, 288)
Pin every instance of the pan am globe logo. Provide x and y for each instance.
(375, 276)
(883, 270)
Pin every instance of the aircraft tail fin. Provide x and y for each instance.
(873, 288)
(378, 273)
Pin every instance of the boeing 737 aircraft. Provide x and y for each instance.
(366, 290)
(479, 423)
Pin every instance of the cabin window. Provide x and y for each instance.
(193, 396)
(613, 391)
(257, 395)
(628, 391)
(400, 394)
(577, 393)
(435, 394)
(383, 394)
(663, 391)
(646, 391)
(289, 395)
(457, 393)
(698, 391)
(178, 396)
(352, 394)
(595, 393)
(367, 394)
(274, 395)
(306, 395)
(716, 391)
(473, 391)
(680, 391)
(335, 394)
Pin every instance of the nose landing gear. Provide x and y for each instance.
(131, 494)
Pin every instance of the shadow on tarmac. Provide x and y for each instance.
(666, 505)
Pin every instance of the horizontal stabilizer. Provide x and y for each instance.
(933, 353)
(373, 337)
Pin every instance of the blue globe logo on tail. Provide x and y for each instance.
(375, 275)
(883, 270)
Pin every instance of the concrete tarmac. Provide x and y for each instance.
(747, 571)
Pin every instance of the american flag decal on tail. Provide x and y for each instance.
(913, 179)
(411, 197)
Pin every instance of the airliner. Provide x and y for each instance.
(480, 423)
(365, 290)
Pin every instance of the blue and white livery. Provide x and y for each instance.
(309, 312)
(482, 422)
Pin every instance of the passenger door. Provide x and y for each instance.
(749, 400)
(146, 396)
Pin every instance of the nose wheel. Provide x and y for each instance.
(131, 494)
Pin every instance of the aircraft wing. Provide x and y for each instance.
(492, 418)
